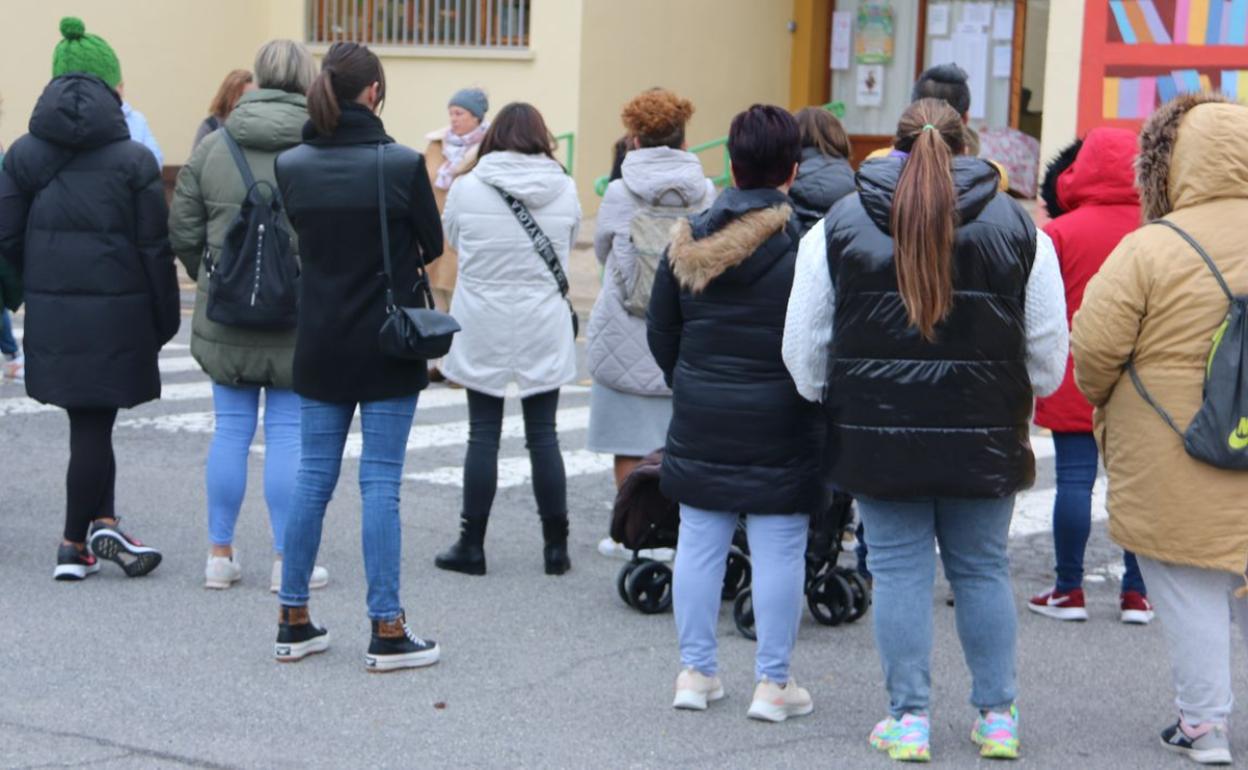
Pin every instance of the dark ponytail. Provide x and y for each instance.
(348, 69)
(924, 218)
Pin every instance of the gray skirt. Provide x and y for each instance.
(626, 424)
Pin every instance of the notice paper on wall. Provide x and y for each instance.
(1002, 61)
(842, 39)
(970, 52)
(938, 19)
(978, 13)
(1003, 23)
(870, 85)
(941, 52)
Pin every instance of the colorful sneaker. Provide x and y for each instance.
(996, 734)
(74, 564)
(695, 689)
(297, 636)
(1136, 608)
(1063, 605)
(908, 739)
(109, 542)
(1206, 744)
(776, 703)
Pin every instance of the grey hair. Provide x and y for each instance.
(286, 66)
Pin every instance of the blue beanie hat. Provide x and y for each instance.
(472, 99)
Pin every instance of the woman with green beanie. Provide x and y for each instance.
(83, 218)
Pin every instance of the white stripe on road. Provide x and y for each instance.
(178, 364)
(515, 471)
(456, 433)
(187, 391)
(1033, 509)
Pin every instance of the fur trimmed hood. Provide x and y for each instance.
(697, 262)
(1193, 149)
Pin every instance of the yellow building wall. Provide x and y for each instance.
(723, 55)
(1061, 76)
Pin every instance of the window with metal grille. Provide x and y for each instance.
(471, 24)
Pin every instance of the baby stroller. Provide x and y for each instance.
(834, 594)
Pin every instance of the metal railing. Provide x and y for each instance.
(480, 24)
(567, 140)
(724, 177)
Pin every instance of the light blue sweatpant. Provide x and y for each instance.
(778, 561)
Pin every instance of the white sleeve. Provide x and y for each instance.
(808, 321)
(1048, 336)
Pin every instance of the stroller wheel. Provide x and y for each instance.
(736, 574)
(743, 614)
(830, 599)
(861, 593)
(621, 580)
(650, 587)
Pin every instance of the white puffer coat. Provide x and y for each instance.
(661, 176)
(516, 327)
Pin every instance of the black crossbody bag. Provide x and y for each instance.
(544, 249)
(412, 333)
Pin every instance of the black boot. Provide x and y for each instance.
(466, 555)
(555, 533)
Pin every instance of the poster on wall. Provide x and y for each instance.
(870, 85)
(938, 19)
(874, 44)
(970, 52)
(842, 33)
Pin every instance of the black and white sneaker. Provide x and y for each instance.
(109, 542)
(1211, 747)
(73, 564)
(395, 646)
(297, 636)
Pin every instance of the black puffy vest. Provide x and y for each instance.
(917, 419)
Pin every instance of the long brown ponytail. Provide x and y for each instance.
(925, 212)
(348, 69)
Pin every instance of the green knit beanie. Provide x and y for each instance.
(80, 52)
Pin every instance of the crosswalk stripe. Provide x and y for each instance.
(515, 471)
(178, 364)
(456, 433)
(186, 391)
(1033, 509)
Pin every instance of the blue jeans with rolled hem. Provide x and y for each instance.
(385, 426)
(778, 559)
(973, 535)
(236, 409)
(1076, 463)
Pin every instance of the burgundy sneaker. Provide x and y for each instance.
(1062, 605)
(1136, 608)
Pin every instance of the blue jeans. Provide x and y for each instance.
(1072, 512)
(324, 426)
(778, 559)
(8, 343)
(973, 535)
(237, 412)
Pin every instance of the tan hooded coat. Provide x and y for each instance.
(1154, 300)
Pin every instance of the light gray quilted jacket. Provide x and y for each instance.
(619, 356)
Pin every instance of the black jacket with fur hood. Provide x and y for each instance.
(741, 439)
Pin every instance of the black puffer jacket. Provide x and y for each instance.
(821, 182)
(82, 211)
(330, 188)
(913, 418)
(741, 438)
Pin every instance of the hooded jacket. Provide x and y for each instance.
(821, 182)
(515, 322)
(913, 418)
(1094, 204)
(329, 184)
(656, 176)
(741, 439)
(1155, 301)
(83, 215)
(206, 201)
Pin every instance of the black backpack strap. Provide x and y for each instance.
(1148, 399)
(1213, 268)
(249, 180)
(540, 242)
(385, 239)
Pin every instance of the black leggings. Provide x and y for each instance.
(485, 425)
(92, 471)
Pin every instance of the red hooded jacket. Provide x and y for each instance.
(1099, 206)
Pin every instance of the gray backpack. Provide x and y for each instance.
(1218, 434)
(650, 231)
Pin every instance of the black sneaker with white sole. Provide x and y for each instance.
(109, 542)
(1211, 747)
(395, 646)
(74, 564)
(297, 636)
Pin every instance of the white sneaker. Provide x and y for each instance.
(319, 579)
(773, 703)
(222, 571)
(695, 689)
(613, 550)
(15, 368)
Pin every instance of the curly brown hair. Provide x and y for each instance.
(657, 118)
